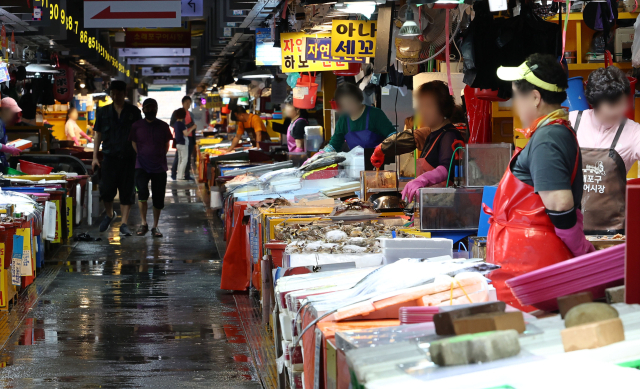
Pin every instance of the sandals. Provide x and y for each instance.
(155, 232)
(142, 229)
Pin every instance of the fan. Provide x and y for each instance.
(435, 34)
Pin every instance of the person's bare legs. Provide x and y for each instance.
(125, 213)
(156, 216)
(143, 212)
(108, 207)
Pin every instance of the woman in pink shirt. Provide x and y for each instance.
(610, 144)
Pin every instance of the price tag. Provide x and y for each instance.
(25, 263)
(300, 92)
(385, 91)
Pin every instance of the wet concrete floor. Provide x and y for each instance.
(135, 312)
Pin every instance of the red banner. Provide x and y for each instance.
(157, 37)
(63, 84)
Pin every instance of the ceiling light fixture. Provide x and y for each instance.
(365, 8)
(258, 73)
(409, 28)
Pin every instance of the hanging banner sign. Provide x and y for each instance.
(13, 44)
(3, 37)
(63, 84)
(353, 38)
(132, 13)
(319, 49)
(157, 37)
(294, 59)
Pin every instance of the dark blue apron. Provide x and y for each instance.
(366, 139)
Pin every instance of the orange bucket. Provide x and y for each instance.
(304, 94)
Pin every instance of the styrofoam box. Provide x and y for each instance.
(416, 243)
(394, 249)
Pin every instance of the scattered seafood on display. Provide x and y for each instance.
(325, 160)
(337, 238)
(353, 207)
(270, 202)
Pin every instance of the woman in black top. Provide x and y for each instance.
(436, 107)
(297, 120)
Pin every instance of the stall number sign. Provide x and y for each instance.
(353, 38)
(294, 57)
(319, 49)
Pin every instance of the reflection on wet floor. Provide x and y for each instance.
(129, 312)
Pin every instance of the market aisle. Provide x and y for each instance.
(136, 312)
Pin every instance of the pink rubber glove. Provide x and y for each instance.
(298, 150)
(574, 237)
(85, 136)
(315, 156)
(433, 177)
(11, 150)
(76, 141)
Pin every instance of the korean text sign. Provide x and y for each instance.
(319, 49)
(294, 57)
(351, 38)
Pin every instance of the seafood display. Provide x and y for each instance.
(337, 238)
(353, 207)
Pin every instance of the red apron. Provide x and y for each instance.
(521, 237)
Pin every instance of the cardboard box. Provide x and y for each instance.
(495, 321)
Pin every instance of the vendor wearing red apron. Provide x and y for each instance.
(359, 124)
(610, 145)
(298, 120)
(536, 219)
(435, 107)
(249, 123)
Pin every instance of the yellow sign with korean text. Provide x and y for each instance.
(351, 38)
(294, 58)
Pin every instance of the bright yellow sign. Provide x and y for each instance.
(353, 38)
(294, 58)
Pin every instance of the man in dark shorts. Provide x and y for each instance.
(151, 138)
(112, 128)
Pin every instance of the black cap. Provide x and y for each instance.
(149, 102)
(118, 85)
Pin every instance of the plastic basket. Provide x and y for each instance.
(34, 168)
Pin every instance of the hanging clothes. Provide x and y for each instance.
(605, 184)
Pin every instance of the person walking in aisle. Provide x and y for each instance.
(182, 135)
(150, 138)
(112, 129)
(189, 124)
